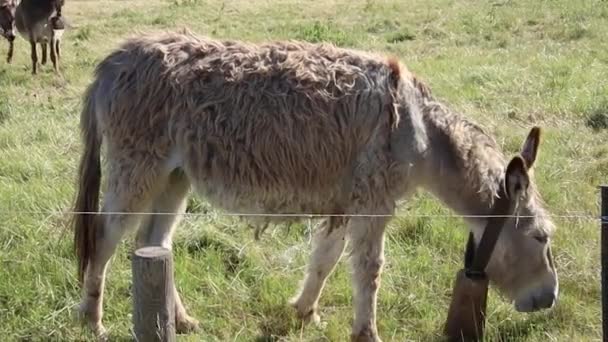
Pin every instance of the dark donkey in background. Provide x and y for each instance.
(7, 24)
(40, 21)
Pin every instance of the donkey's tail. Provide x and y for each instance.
(85, 220)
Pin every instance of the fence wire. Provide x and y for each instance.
(585, 216)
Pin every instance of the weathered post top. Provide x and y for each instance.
(153, 252)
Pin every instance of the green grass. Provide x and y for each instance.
(506, 64)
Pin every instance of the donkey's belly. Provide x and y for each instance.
(275, 177)
(273, 201)
(41, 32)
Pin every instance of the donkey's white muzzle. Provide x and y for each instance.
(536, 301)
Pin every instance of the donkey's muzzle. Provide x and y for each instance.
(544, 300)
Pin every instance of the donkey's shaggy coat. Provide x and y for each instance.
(287, 127)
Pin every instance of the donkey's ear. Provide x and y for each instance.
(530, 148)
(517, 179)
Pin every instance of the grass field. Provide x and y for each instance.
(506, 64)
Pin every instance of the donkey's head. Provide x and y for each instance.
(7, 19)
(522, 265)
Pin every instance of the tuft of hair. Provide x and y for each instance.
(395, 67)
(424, 89)
(395, 79)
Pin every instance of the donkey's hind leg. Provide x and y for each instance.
(157, 230)
(328, 246)
(128, 192)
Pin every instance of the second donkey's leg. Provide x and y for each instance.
(33, 55)
(58, 48)
(44, 53)
(157, 230)
(327, 250)
(11, 46)
(54, 45)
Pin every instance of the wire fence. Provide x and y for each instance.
(306, 217)
(305, 241)
(579, 215)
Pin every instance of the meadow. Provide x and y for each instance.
(506, 64)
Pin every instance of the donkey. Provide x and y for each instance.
(7, 25)
(40, 21)
(298, 128)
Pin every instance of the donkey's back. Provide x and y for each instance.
(274, 127)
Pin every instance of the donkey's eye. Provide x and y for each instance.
(542, 239)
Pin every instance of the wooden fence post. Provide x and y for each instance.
(153, 298)
(604, 260)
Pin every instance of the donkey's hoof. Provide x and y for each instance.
(102, 334)
(82, 315)
(366, 335)
(311, 317)
(307, 316)
(186, 325)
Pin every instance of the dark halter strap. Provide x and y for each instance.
(476, 260)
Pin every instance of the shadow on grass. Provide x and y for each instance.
(518, 330)
(277, 322)
(120, 337)
(232, 259)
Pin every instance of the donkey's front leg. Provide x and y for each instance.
(367, 237)
(328, 245)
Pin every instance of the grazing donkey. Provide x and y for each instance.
(7, 25)
(40, 21)
(290, 127)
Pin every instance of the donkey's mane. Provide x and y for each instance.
(477, 154)
(479, 157)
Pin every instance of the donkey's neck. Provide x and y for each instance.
(464, 166)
